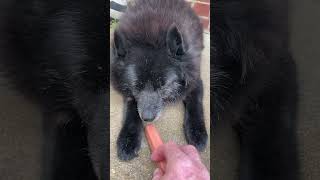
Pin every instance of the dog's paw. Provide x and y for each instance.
(128, 145)
(196, 135)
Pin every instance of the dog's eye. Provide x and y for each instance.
(171, 78)
(183, 82)
(160, 82)
(139, 84)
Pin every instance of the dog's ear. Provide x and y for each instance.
(119, 44)
(175, 42)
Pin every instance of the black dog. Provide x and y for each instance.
(55, 52)
(156, 57)
(254, 85)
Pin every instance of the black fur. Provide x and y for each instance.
(55, 53)
(254, 85)
(155, 61)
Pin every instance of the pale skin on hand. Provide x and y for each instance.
(182, 163)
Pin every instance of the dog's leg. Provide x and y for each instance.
(49, 126)
(194, 125)
(65, 144)
(267, 144)
(93, 109)
(129, 139)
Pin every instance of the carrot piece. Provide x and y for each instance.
(154, 141)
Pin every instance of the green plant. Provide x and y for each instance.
(113, 24)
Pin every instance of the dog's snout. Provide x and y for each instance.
(149, 105)
(148, 116)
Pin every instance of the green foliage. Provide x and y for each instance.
(113, 24)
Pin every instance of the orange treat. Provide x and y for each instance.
(154, 141)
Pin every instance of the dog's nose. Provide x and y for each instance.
(148, 116)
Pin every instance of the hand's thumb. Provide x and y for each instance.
(157, 174)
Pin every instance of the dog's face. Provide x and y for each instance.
(153, 77)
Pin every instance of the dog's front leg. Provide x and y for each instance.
(129, 139)
(194, 124)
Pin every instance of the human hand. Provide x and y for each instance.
(182, 163)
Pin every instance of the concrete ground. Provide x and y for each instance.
(169, 126)
(20, 137)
